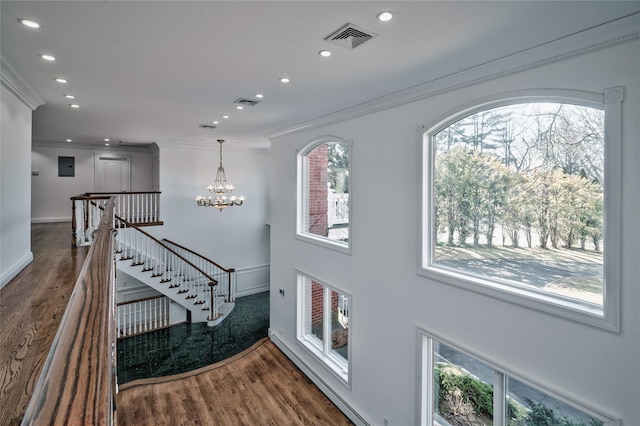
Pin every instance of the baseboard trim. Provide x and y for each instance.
(15, 269)
(253, 290)
(317, 380)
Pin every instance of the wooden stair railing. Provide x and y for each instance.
(78, 384)
(170, 266)
(141, 208)
(221, 273)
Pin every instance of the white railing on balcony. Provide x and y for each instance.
(139, 208)
(142, 316)
(338, 208)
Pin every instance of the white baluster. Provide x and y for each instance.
(118, 321)
(163, 309)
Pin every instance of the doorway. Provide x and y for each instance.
(112, 173)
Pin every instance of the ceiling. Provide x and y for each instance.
(147, 71)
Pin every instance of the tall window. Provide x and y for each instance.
(323, 324)
(515, 202)
(460, 389)
(323, 193)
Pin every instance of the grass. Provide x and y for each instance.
(444, 253)
(573, 273)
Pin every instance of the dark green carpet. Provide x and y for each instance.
(186, 347)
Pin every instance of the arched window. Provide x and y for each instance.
(323, 193)
(515, 204)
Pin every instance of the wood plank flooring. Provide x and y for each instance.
(260, 386)
(31, 307)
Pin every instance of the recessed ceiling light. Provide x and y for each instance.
(284, 80)
(216, 122)
(48, 57)
(385, 16)
(325, 53)
(239, 107)
(62, 80)
(225, 116)
(74, 105)
(106, 139)
(106, 144)
(29, 23)
(69, 140)
(259, 95)
(69, 96)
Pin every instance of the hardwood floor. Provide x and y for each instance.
(31, 307)
(258, 387)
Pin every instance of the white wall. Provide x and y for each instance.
(50, 193)
(592, 366)
(15, 187)
(237, 237)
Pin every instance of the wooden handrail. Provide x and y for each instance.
(199, 255)
(100, 194)
(77, 383)
(144, 299)
(131, 225)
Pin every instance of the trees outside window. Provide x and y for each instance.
(517, 197)
(461, 389)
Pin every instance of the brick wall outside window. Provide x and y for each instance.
(317, 178)
(317, 302)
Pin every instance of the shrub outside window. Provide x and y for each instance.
(323, 324)
(323, 193)
(461, 389)
(514, 201)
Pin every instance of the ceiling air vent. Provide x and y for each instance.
(207, 126)
(246, 102)
(350, 36)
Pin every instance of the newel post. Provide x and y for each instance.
(74, 240)
(230, 295)
(212, 316)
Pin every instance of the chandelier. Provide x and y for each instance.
(219, 190)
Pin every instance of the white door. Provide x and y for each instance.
(113, 174)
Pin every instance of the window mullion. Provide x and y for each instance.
(499, 398)
(327, 320)
(428, 393)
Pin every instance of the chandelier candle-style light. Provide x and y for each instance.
(219, 190)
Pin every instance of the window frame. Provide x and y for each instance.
(321, 350)
(426, 395)
(608, 317)
(301, 198)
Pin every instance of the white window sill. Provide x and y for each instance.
(573, 309)
(338, 368)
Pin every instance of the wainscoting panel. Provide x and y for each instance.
(252, 280)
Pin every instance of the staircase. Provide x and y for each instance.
(198, 284)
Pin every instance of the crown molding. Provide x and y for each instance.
(88, 146)
(12, 80)
(602, 36)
